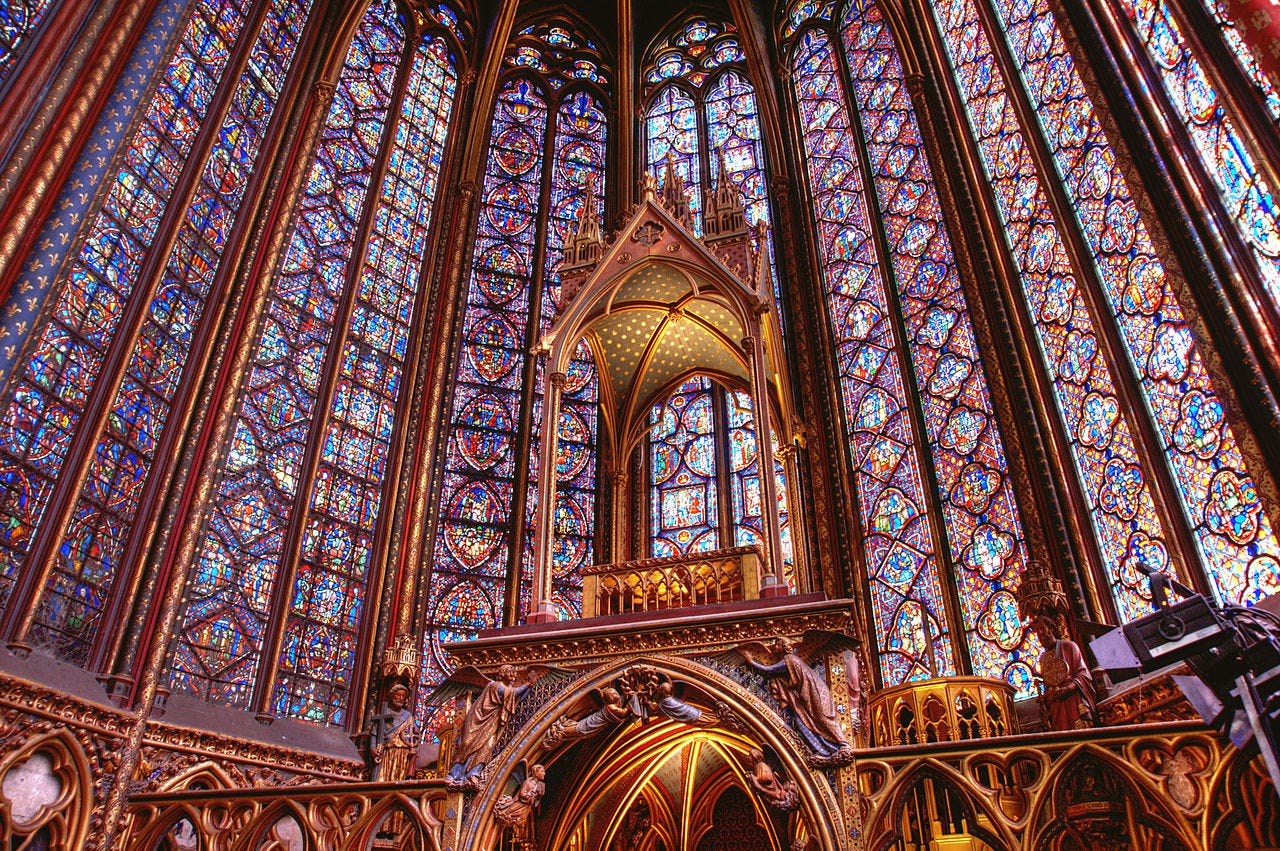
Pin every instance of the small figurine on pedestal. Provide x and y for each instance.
(394, 733)
(1068, 701)
(393, 746)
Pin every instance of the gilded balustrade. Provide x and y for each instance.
(325, 818)
(952, 709)
(652, 585)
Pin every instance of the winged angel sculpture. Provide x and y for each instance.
(802, 692)
(491, 708)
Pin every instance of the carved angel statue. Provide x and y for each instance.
(517, 810)
(486, 717)
(782, 794)
(613, 710)
(802, 692)
(651, 693)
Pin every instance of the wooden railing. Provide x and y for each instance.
(651, 585)
(952, 709)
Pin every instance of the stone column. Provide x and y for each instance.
(542, 610)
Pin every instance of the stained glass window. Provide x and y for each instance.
(704, 488)
(1227, 158)
(51, 391)
(579, 157)
(1101, 438)
(746, 491)
(912, 629)
(684, 494)
(1231, 34)
(702, 110)
(320, 637)
(549, 127)
(19, 20)
(983, 526)
(671, 126)
(471, 557)
(260, 493)
(1237, 543)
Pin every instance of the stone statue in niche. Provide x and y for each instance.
(517, 811)
(802, 692)
(492, 705)
(393, 745)
(1068, 701)
(779, 793)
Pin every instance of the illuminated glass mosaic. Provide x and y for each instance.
(338, 551)
(235, 578)
(1106, 458)
(1231, 34)
(746, 491)
(912, 629)
(578, 163)
(1214, 133)
(546, 128)
(684, 510)
(19, 21)
(702, 110)
(984, 530)
(671, 129)
(1238, 546)
(50, 392)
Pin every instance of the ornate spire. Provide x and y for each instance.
(725, 228)
(587, 226)
(675, 196)
(583, 249)
(727, 197)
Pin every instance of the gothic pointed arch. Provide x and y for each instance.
(743, 720)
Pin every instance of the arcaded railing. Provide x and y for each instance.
(652, 585)
(338, 817)
(953, 709)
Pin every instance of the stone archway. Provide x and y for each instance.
(742, 720)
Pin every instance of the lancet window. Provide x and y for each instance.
(701, 112)
(277, 594)
(547, 149)
(85, 411)
(19, 23)
(704, 473)
(933, 483)
(1215, 133)
(1133, 311)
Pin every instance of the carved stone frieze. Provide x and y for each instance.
(652, 635)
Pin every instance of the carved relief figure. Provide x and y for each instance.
(1068, 701)
(779, 793)
(650, 693)
(631, 833)
(803, 693)
(517, 810)
(486, 717)
(613, 710)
